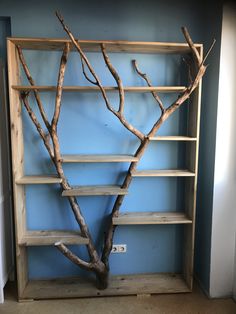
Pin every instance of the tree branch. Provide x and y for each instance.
(55, 156)
(75, 259)
(196, 55)
(154, 94)
(32, 83)
(85, 74)
(116, 77)
(85, 59)
(44, 136)
(60, 81)
(133, 130)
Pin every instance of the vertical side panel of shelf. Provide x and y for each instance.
(191, 183)
(17, 150)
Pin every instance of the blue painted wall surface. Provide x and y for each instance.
(125, 20)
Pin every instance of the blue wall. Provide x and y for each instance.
(127, 20)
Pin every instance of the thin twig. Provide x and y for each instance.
(154, 94)
(116, 77)
(85, 74)
(209, 50)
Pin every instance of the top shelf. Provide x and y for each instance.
(111, 46)
(129, 89)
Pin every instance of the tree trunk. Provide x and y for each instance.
(102, 279)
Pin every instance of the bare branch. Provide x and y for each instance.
(44, 136)
(60, 81)
(209, 50)
(85, 74)
(97, 266)
(116, 77)
(195, 52)
(85, 59)
(32, 83)
(75, 259)
(154, 94)
(132, 129)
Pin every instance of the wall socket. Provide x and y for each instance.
(119, 248)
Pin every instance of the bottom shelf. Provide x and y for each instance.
(119, 285)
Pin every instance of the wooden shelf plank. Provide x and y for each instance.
(47, 179)
(118, 285)
(151, 218)
(163, 173)
(95, 190)
(128, 89)
(173, 138)
(43, 237)
(111, 46)
(98, 158)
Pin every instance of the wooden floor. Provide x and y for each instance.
(189, 303)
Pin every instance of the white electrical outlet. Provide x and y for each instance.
(119, 248)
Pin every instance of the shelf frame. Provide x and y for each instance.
(121, 285)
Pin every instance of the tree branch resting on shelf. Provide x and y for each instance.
(100, 264)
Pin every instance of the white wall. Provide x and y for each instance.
(224, 198)
(6, 230)
(234, 283)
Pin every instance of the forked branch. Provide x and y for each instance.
(154, 94)
(55, 156)
(100, 265)
(74, 258)
(117, 79)
(43, 135)
(32, 83)
(85, 74)
(119, 113)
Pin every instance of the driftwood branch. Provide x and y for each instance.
(154, 94)
(209, 51)
(100, 265)
(118, 114)
(60, 81)
(43, 135)
(74, 258)
(196, 55)
(55, 157)
(85, 74)
(201, 68)
(32, 83)
(117, 79)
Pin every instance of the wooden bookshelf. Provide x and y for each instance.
(119, 285)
